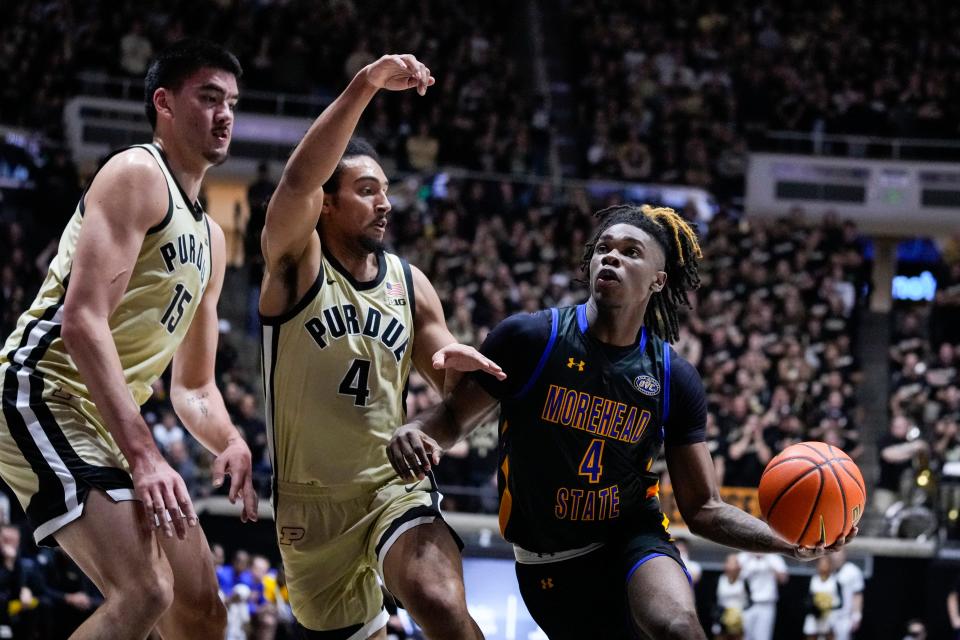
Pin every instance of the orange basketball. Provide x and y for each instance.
(811, 493)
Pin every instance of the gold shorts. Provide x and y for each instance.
(333, 546)
(54, 448)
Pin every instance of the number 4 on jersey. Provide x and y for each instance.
(354, 383)
(592, 465)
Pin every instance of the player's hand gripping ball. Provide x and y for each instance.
(812, 494)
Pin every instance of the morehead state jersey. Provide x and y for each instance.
(578, 441)
(166, 284)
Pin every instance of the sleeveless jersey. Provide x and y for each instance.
(335, 372)
(578, 440)
(169, 278)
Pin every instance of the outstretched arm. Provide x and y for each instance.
(707, 515)
(194, 393)
(436, 354)
(417, 446)
(295, 206)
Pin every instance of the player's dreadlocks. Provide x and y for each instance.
(681, 249)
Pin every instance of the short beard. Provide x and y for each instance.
(370, 245)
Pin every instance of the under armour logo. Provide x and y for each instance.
(571, 363)
(546, 583)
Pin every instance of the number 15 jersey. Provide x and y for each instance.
(335, 369)
(166, 284)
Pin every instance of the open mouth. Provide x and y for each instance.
(607, 276)
(380, 224)
(221, 134)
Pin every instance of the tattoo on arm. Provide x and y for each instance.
(200, 400)
(732, 527)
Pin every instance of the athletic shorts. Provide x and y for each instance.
(333, 546)
(54, 448)
(585, 596)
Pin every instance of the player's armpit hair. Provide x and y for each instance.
(682, 255)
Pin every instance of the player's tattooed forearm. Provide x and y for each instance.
(199, 400)
(734, 528)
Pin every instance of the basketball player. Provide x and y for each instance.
(592, 393)
(134, 284)
(343, 322)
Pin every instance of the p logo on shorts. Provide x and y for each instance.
(289, 535)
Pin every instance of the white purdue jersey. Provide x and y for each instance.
(335, 373)
(168, 279)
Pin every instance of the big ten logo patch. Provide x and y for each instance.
(289, 535)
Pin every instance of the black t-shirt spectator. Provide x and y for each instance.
(891, 472)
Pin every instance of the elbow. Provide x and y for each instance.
(698, 520)
(74, 328)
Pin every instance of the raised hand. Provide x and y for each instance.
(399, 73)
(460, 357)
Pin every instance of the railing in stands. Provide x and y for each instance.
(857, 146)
(266, 102)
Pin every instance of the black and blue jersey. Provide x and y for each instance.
(581, 424)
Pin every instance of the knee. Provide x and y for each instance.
(212, 618)
(204, 612)
(149, 591)
(440, 601)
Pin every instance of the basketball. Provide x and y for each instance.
(812, 493)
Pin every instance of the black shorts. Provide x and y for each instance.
(586, 597)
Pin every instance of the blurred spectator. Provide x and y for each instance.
(21, 587)
(258, 197)
(953, 606)
(824, 602)
(945, 319)
(733, 599)
(898, 449)
(850, 578)
(693, 567)
(168, 430)
(69, 596)
(916, 630)
(179, 458)
(763, 574)
(135, 51)
(238, 612)
(237, 572)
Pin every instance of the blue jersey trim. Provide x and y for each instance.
(582, 317)
(651, 556)
(554, 321)
(643, 339)
(666, 388)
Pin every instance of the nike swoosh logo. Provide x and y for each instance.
(411, 487)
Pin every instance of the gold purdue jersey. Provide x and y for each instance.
(168, 280)
(335, 371)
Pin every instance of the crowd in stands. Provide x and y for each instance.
(675, 92)
(924, 435)
(481, 115)
(771, 330)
